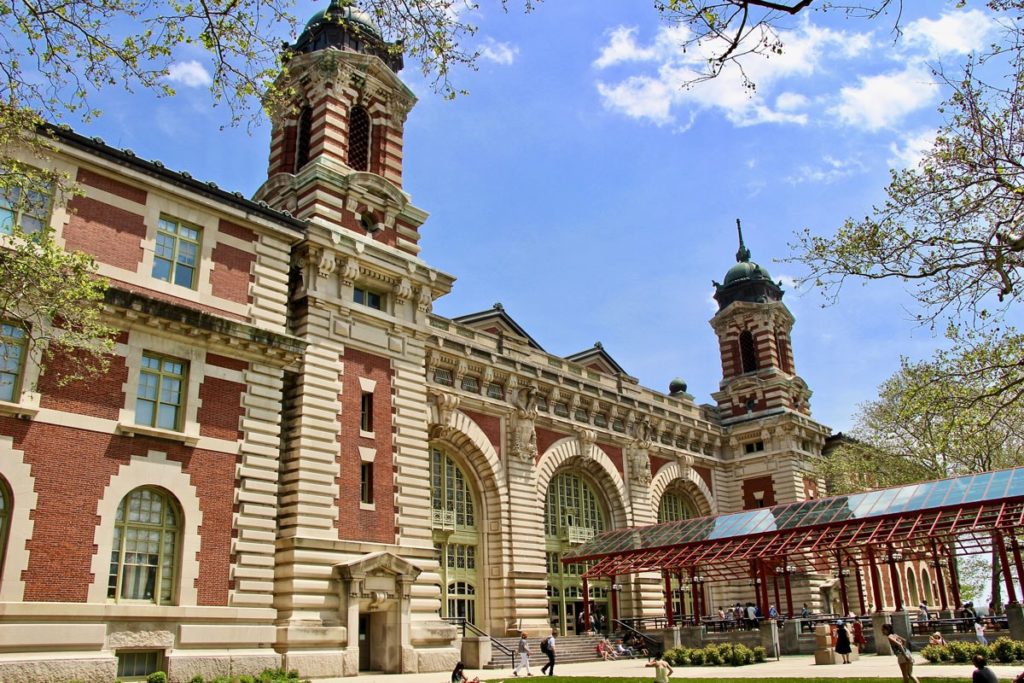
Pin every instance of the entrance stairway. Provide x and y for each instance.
(568, 649)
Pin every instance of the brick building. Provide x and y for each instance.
(292, 461)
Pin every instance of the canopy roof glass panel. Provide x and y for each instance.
(968, 490)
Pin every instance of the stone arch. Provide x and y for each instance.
(596, 463)
(463, 439)
(152, 469)
(693, 484)
(21, 486)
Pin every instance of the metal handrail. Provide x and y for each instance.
(473, 628)
(654, 646)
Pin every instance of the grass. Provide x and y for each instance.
(681, 672)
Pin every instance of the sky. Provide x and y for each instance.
(582, 187)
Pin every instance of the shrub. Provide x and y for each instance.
(960, 653)
(933, 653)
(696, 657)
(198, 678)
(156, 677)
(1004, 650)
(712, 657)
(760, 654)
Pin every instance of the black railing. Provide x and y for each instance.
(957, 625)
(460, 622)
(652, 645)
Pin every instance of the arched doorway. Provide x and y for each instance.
(455, 528)
(676, 504)
(573, 514)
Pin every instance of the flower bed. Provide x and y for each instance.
(1002, 650)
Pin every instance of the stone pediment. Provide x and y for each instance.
(377, 564)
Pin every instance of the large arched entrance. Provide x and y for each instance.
(573, 514)
(456, 535)
(677, 504)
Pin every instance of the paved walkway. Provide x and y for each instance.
(791, 666)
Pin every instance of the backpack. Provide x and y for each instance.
(545, 646)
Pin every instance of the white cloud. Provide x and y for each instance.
(668, 62)
(883, 100)
(499, 53)
(190, 74)
(829, 171)
(909, 151)
(952, 33)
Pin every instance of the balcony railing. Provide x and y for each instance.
(575, 535)
(443, 519)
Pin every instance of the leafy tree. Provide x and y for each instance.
(55, 55)
(914, 432)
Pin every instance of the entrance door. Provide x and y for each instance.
(364, 642)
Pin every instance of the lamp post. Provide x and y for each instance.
(697, 592)
(616, 589)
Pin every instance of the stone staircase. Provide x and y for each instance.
(568, 648)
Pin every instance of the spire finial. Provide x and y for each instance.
(743, 254)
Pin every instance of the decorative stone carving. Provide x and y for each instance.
(524, 434)
(425, 299)
(349, 271)
(326, 264)
(587, 439)
(446, 404)
(639, 463)
(403, 290)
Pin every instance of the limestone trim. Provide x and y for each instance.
(151, 469)
(595, 462)
(693, 483)
(21, 484)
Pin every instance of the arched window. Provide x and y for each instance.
(302, 137)
(359, 138)
(572, 514)
(748, 353)
(676, 505)
(780, 346)
(462, 601)
(911, 587)
(455, 534)
(144, 555)
(6, 503)
(926, 587)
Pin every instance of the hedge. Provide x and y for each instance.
(726, 654)
(1003, 650)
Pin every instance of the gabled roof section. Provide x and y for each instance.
(597, 359)
(496, 321)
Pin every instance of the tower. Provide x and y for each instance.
(356, 571)
(753, 328)
(336, 139)
(763, 404)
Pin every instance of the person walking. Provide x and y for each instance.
(902, 651)
(662, 670)
(524, 655)
(843, 641)
(548, 648)
(979, 630)
(982, 674)
(858, 636)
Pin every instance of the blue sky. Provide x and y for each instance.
(582, 187)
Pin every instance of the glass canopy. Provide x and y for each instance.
(887, 507)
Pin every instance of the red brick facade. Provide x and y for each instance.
(110, 234)
(753, 486)
(355, 523)
(490, 425)
(72, 468)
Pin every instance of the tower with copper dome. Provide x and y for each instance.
(763, 405)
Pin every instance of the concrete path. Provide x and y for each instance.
(793, 666)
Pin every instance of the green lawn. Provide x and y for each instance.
(681, 674)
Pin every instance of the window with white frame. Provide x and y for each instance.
(160, 401)
(143, 558)
(27, 209)
(176, 258)
(13, 352)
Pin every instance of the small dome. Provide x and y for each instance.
(746, 270)
(676, 387)
(345, 27)
(338, 12)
